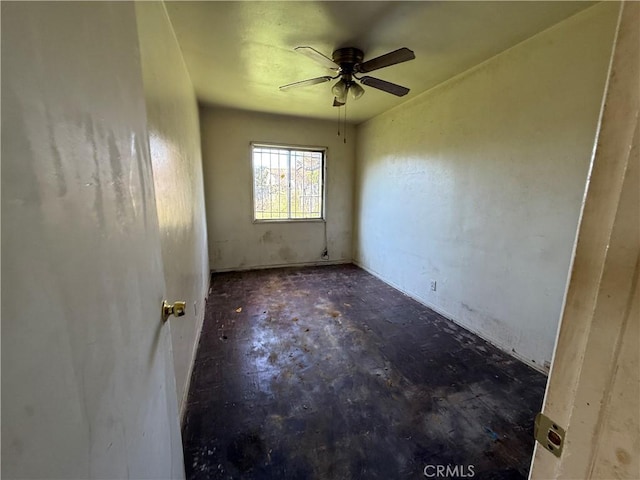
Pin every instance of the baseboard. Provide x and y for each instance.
(279, 265)
(506, 349)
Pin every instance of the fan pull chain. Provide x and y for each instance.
(345, 123)
(338, 121)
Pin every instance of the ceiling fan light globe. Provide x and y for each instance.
(356, 91)
(339, 90)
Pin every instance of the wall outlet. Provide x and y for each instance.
(433, 285)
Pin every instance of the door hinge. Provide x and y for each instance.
(549, 434)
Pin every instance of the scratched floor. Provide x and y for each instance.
(328, 373)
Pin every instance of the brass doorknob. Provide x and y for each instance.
(177, 309)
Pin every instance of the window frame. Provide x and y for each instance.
(290, 147)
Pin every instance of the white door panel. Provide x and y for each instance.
(87, 377)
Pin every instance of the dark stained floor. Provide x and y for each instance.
(329, 373)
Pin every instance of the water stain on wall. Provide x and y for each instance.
(267, 237)
(57, 159)
(116, 175)
(98, 203)
(287, 254)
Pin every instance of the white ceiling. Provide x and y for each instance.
(239, 53)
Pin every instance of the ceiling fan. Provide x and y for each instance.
(348, 64)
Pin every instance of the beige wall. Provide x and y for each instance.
(87, 375)
(174, 138)
(235, 242)
(477, 184)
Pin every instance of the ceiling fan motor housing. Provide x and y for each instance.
(348, 58)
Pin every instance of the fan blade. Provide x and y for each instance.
(315, 55)
(336, 103)
(388, 87)
(304, 83)
(386, 60)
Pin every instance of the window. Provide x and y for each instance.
(288, 183)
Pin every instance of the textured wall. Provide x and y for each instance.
(477, 184)
(87, 375)
(174, 138)
(235, 242)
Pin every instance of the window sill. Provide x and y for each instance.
(291, 220)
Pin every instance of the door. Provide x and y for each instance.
(88, 388)
(594, 385)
